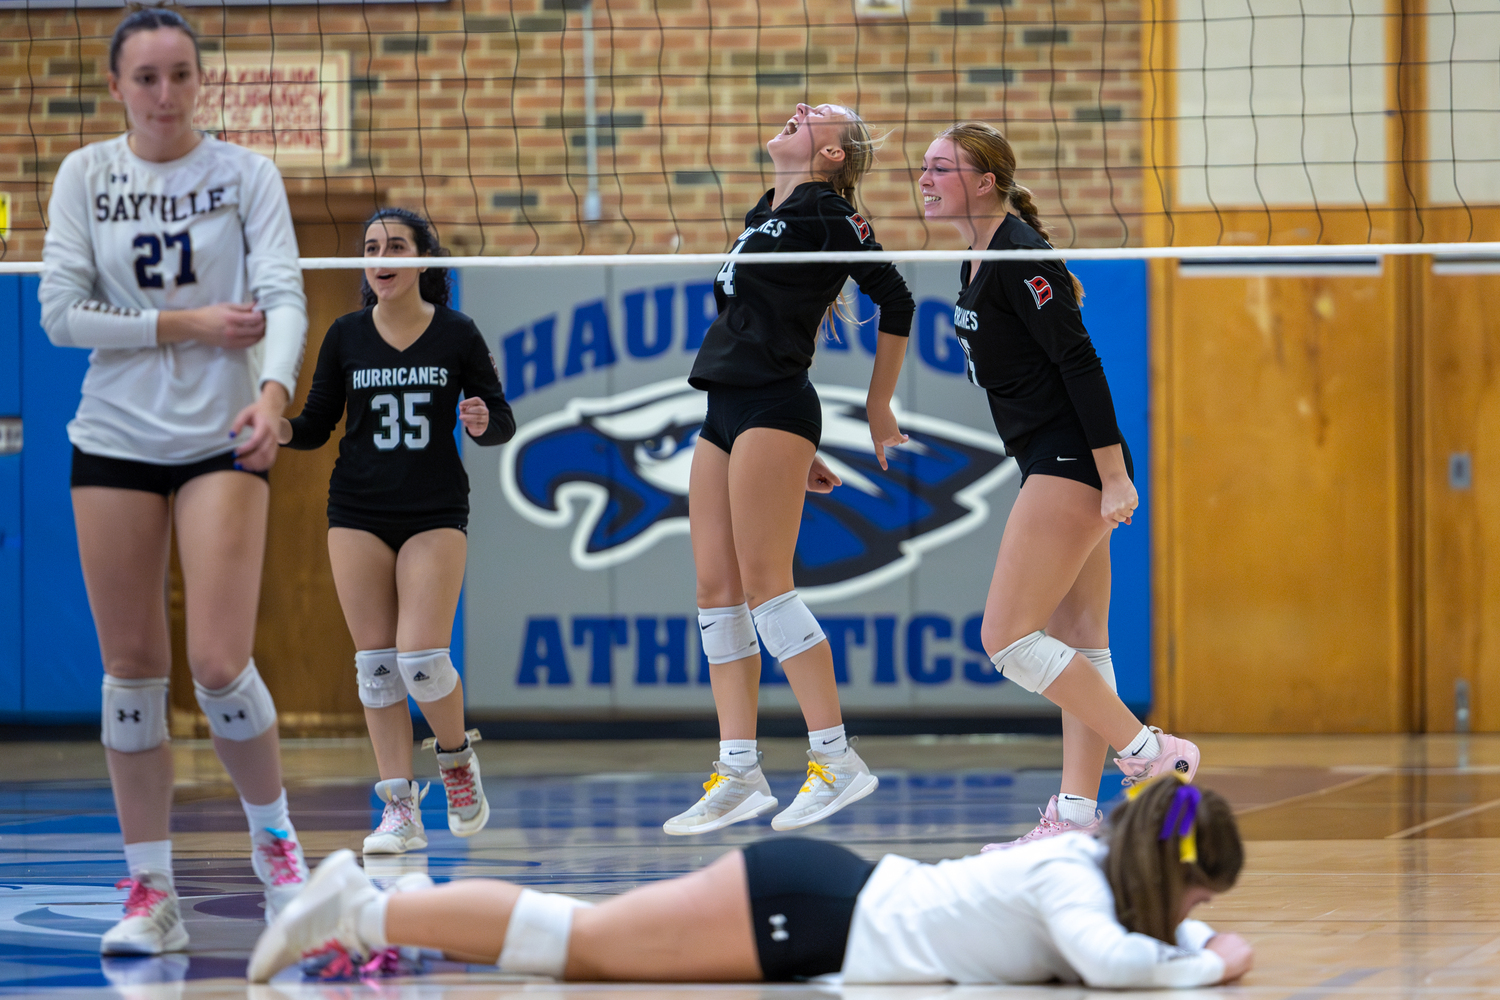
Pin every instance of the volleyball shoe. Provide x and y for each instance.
(1177, 756)
(277, 859)
(833, 782)
(336, 963)
(1051, 825)
(468, 809)
(400, 828)
(152, 924)
(324, 918)
(730, 795)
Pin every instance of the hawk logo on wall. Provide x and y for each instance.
(616, 470)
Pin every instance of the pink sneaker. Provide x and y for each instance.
(1176, 755)
(1050, 826)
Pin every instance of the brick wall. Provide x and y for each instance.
(473, 109)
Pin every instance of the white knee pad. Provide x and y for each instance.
(1104, 663)
(536, 939)
(428, 673)
(135, 714)
(241, 710)
(728, 633)
(1033, 661)
(380, 683)
(786, 626)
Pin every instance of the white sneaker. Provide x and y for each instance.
(468, 809)
(323, 918)
(335, 963)
(400, 828)
(277, 859)
(832, 783)
(153, 921)
(730, 795)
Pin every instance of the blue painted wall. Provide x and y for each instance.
(52, 660)
(1121, 340)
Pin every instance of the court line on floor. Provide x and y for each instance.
(1341, 786)
(1461, 814)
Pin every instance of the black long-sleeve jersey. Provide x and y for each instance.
(1022, 332)
(769, 314)
(398, 455)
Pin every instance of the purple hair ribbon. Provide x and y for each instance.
(1181, 816)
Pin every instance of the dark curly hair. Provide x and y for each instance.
(435, 284)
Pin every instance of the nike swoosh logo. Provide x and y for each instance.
(1061, 459)
(709, 626)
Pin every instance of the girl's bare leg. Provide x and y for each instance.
(364, 574)
(696, 928)
(221, 543)
(429, 580)
(736, 685)
(767, 487)
(1082, 621)
(1052, 530)
(122, 545)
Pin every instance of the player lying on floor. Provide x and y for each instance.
(1108, 913)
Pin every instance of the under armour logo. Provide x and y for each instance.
(419, 676)
(380, 671)
(778, 927)
(228, 717)
(118, 178)
(133, 716)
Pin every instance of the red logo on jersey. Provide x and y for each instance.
(860, 226)
(1040, 290)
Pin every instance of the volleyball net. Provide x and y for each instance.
(629, 127)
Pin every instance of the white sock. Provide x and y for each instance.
(1076, 809)
(271, 816)
(1144, 745)
(740, 754)
(370, 924)
(830, 742)
(149, 856)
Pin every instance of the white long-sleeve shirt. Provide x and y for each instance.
(1029, 914)
(129, 238)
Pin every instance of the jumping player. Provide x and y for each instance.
(1110, 915)
(171, 254)
(757, 455)
(1046, 619)
(398, 510)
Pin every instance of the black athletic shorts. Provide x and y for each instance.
(395, 531)
(802, 895)
(790, 404)
(127, 474)
(1061, 449)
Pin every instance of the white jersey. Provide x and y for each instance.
(129, 238)
(1030, 914)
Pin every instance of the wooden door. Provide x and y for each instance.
(1459, 472)
(1282, 477)
(302, 647)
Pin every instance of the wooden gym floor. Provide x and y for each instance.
(1373, 868)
